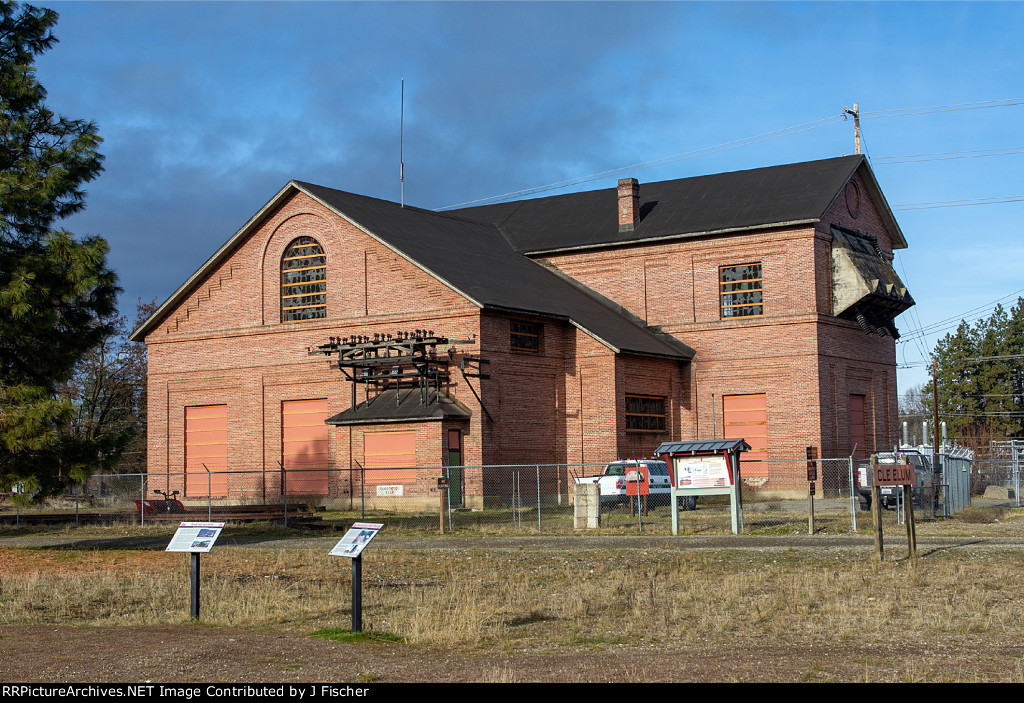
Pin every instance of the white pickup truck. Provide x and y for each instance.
(612, 481)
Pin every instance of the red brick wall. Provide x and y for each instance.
(564, 404)
(229, 347)
(805, 361)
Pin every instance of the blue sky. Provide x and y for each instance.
(208, 109)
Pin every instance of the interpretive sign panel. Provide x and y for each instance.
(356, 539)
(195, 537)
(709, 471)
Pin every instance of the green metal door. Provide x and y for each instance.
(455, 467)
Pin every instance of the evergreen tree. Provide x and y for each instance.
(957, 372)
(57, 293)
(981, 378)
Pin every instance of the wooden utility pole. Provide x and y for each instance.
(935, 414)
(856, 124)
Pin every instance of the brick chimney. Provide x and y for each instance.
(629, 204)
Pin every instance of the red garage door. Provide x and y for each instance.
(746, 417)
(304, 446)
(858, 426)
(206, 449)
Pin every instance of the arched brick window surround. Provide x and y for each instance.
(303, 280)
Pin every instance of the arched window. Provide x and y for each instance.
(303, 281)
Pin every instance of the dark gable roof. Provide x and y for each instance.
(475, 260)
(725, 202)
(479, 252)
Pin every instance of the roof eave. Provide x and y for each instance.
(218, 257)
(669, 237)
(390, 247)
(882, 205)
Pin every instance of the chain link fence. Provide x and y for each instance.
(541, 498)
(999, 465)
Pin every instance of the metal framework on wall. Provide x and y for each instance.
(383, 362)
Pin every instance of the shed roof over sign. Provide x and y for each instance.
(703, 446)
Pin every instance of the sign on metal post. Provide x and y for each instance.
(195, 538)
(812, 477)
(638, 485)
(442, 486)
(352, 546)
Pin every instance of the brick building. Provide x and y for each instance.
(336, 331)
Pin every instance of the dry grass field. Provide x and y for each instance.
(489, 608)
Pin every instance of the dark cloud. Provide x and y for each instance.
(208, 109)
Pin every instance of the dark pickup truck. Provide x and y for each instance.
(889, 495)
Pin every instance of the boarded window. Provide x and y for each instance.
(206, 448)
(303, 281)
(304, 446)
(390, 457)
(741, 290)
(645, 413)
(524, 336)
(746, 417)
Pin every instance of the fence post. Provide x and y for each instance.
(284, 490)
(853, 495)
(142, 502)
(209, 495)
(448, 495)
(538, 498)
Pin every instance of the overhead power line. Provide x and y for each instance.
(726, 146)
(757, 139)
(955, 320)
(947, 156)
(997, 200)
(930, 109)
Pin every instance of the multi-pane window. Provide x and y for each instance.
(645, 413)
(303, 281)
(741, 290)
(524, 336)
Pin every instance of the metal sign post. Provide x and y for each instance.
(812, 476)
(195, 538)
(638, 485)
(352, 546)
(194, 586)
(442, 486)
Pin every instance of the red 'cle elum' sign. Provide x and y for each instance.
(895, 475)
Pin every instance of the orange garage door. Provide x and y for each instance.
(390, 457)
(746, 417)
(304, 446)
(206, 445)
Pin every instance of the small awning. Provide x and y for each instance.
(388, 406)
(703, 446)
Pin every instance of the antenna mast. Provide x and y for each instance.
(401, 146)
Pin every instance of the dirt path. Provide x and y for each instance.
(185, 654)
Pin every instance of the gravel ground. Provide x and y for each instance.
(198, 653)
